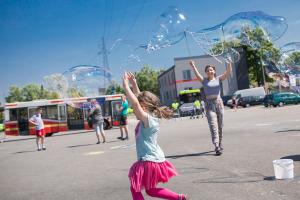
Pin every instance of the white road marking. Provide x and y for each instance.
(126, 146)
(94, 153)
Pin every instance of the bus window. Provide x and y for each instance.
(31, 112)
(62, 112)
(13, 115)
(106, 110)
(51, 112)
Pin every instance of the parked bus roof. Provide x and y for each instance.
(43, 102)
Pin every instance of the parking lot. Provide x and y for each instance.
(75, 167)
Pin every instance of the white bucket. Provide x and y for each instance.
(283, 168)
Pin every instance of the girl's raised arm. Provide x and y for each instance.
(137, 108)
(198, 75)
(132, 80)
(227, 72)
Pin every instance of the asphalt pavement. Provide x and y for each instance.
(75, 167)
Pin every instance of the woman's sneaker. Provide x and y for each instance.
(218, 151)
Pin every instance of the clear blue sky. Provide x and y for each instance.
(42, 37)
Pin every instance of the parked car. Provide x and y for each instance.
(186, 109)
(225, 99)
(250, 101)
(258, 91)
(280, 99)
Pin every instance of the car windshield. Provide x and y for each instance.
(187, 105)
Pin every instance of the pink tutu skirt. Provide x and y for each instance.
(147, 174)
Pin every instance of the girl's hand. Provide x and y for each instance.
(125, 79)
(192, 63)
(131, 78)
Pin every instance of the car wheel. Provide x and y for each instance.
(247, 105)
(280, 104)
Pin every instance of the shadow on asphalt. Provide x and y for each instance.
(31, 136)
(270, 178)
(293, 157)
(288, 130)
(207, 153)
(81, 145)
(24, 152)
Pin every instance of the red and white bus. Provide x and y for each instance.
(59, 114)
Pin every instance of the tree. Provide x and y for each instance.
(147, 79)
(114, 88)
(28, 93)
(264, 51)
(14, 94)
(73, 92)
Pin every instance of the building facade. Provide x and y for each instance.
(181, 77)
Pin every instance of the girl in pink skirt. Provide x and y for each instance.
(151, 167)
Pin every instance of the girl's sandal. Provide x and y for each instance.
(183, 197)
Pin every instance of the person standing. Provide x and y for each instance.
(97, 120)
(213, 103)
(123, 119)
(39, 129)
(234, 103)
(197, 106)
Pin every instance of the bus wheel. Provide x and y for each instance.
(105, 125)
(49, 134)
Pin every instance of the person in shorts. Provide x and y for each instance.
(39, 129)
(123, 118)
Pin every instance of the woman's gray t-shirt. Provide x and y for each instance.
(212, 88)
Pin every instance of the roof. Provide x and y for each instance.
(166, 71)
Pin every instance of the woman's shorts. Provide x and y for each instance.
(123, 120)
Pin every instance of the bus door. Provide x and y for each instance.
(22, 116)
(62, 118)
(115, 113)
(75, 118)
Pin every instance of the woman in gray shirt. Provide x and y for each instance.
(213, 103)
(97, 118)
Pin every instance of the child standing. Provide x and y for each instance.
(39, 129)
(151, 167)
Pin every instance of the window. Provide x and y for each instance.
(186, 74)
(13, 115)
(62, 112)
(51, 112)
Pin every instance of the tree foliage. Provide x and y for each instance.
(266, 51)
(114, 88)
(147, 79)
(28, 93)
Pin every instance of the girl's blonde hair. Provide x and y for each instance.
(151, 101)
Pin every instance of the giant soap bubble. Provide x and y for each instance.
(172, 24)
(88, 80)
(56, 83)
(239, 29)
(290, 58)
(238, 25)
